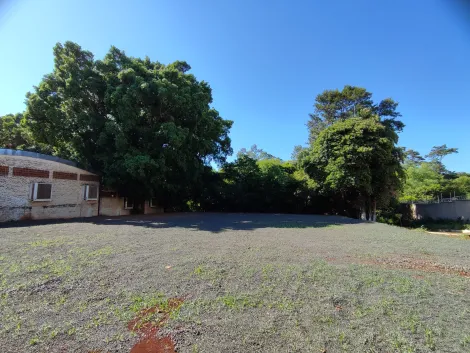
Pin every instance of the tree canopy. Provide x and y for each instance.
(14, 134)
(11, 132)
(427, 178)
(265, 185)
(148, 128)
(335, 105)
(255, 153)
(439, 152)
(413, 156)
(423, 182)
(358, 159)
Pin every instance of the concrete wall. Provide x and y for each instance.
(113, 205)
(152, 210)
(443, 210)
(67, 193)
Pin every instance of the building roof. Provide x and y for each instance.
(18, 158)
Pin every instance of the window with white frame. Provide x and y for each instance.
(153, 202)
(41, 192)
(91, 192)
(128, 203)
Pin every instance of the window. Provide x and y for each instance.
(153, 202)
(128, 203)
(91, 192)
(42, 192)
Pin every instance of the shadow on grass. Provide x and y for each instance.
(212, 222)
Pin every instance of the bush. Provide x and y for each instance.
(441, 224)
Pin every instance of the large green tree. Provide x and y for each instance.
(358, 159)
(335, 105)
(15, 134)
(438, 153)
(148, 128)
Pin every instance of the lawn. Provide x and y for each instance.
(231, 283)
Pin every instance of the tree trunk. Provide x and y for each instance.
(373, 217)
(369, 210)
(363, 213)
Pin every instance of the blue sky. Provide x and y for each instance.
(267, 60)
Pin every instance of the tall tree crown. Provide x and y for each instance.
(335, 105)
(147, 127)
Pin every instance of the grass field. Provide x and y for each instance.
(232, 283)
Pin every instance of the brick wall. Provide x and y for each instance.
(29, 172)
(4, 170)
(67, 191)
(64, 175)
(88, 177)
(67, 200)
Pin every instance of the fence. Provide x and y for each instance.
(441, 200)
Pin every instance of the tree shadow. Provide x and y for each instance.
(211, 222)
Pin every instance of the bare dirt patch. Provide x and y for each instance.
(147, 326)
(411, 263)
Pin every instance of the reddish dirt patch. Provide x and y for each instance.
(148, 330)
(457, 234)
(419, 265)
(408, 263)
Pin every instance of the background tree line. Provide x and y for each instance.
(150, 131)
(427, 178)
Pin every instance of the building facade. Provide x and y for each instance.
(112, 204)
(36, 186)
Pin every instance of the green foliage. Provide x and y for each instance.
(396, 213)
(357, 158)
(11, 133)
(423, 182)
(334, 105)
(255, 153)
(412, 156)
(460, 185)
(147, 127)
(439, 152)
(427, 180)
(441, 224)
(265, 185)
(14, 134)
(297, 153)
